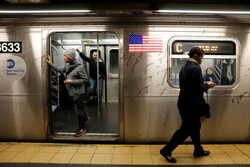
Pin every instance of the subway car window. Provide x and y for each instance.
(219, 63)
(113, 61)
(100, 96)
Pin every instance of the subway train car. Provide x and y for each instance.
(143, 52)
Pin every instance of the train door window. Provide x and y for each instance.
(112, 53)
(113, 62)
(103, 112)
(219, 62)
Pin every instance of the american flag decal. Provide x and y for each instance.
(145, 43)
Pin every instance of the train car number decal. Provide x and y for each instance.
(10, 47)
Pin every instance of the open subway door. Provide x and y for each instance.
(101, 95)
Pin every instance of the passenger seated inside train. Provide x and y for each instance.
(209, 76)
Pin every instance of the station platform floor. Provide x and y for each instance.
(26, 154)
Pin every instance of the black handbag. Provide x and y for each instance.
(202, 108)
(205, 110)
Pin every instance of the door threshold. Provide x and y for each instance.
(85, 137)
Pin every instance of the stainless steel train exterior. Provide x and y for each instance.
(145, 84)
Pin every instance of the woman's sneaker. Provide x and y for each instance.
(79, 132)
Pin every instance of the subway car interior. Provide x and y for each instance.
(103, 111)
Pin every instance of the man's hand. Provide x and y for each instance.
(68, 82)
(48, 59)
(211, 84)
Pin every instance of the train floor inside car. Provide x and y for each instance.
(26, 154)
(102, 121)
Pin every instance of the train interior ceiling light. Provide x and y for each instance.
(204, 9)
(42, 11)
(45, 9)
(203, 12)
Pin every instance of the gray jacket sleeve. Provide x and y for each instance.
(58, 69)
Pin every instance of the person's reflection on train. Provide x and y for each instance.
(93, 92)
(228, 72)
(192, 87)
(209, 76)
(75, 79)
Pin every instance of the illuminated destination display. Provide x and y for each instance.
(210, 47)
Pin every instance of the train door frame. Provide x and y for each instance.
(51, 135)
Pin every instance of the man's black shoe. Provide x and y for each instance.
(169, 158)
(201, 153)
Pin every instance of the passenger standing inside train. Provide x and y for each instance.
(93, 92)
(192, 88)
(209, 76)
(76, 78)
(228, 72)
